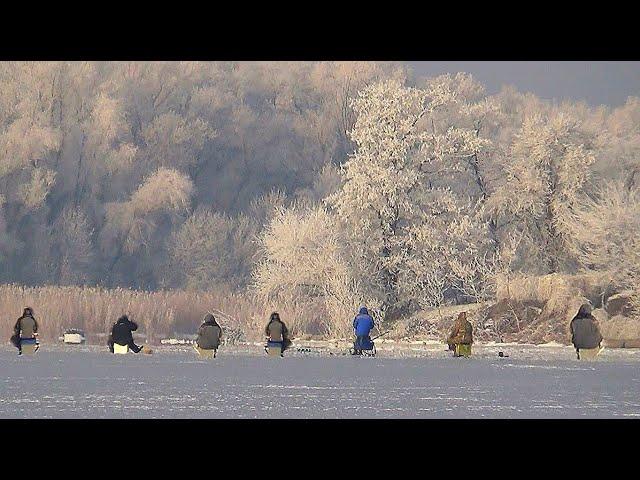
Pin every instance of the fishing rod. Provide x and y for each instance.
(380, 335)
(306, 349)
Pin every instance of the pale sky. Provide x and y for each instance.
(596, 82)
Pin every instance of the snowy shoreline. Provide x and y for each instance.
(391, 349)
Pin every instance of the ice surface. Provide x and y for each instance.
(85, 381)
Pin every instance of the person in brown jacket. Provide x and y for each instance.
(277, 332)
(25, 328)
(461, 336)
(585, 334)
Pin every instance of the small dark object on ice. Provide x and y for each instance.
(501, 354)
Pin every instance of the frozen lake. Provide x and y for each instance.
(89, 382)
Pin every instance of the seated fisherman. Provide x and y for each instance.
(585, 334)
(121, 333)
(362, 326)
(461, 336)
(209, 334)
(26, 328)
(277, 332)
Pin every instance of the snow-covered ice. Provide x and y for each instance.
(412, 382)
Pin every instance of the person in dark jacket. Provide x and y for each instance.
(585, 334)
(362, 326)
(121, 333)
(209, 334)
(277, 332)
(25, 328)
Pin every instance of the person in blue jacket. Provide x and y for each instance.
(362, 326)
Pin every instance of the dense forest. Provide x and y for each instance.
(322, 185)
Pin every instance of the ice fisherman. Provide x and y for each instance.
(461, 337)
(209, 334)
(585, 334)
(277, 332)
(362, 326)
(121, 333)
(26, 328)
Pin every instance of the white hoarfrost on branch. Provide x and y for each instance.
(166, 192)
(35, 192)
(302, 263)
(607, 232)
(404, 228)
(545, 179)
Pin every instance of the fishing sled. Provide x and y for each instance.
(273, 349)
(73, 336)
(364, 347)
(205, 353)
(589, 353)
(124, 349)
(462, 350)
(29, 346)
(276, 349)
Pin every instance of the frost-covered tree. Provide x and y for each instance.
(73, 247)
(463, 123)
(84, 136)
(388, 199)
(34, 193)
(460, 120)
(212, 250)
(621, 144)
(302, 262)
(445, 253)
(379, 196)
(140, 223)
(545, 177)
(607, 230)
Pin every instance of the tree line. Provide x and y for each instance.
(326, 184)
